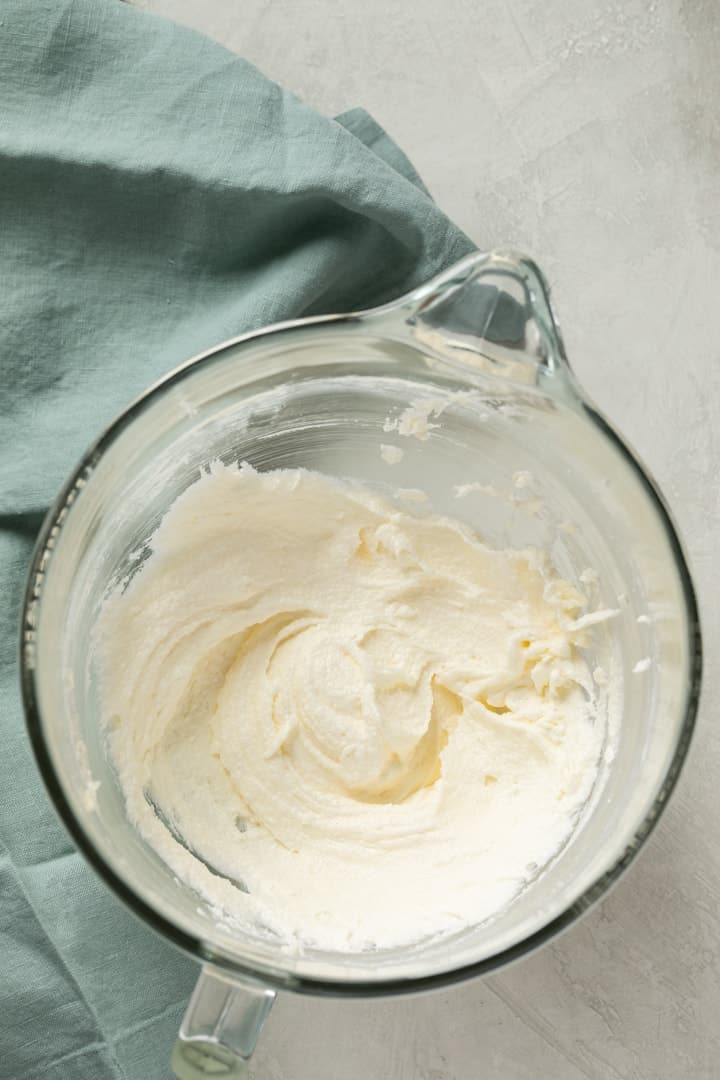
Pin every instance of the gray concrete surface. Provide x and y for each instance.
(587, 132)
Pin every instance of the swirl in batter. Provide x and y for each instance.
(342, 722)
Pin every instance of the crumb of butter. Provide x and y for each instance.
(391, 454)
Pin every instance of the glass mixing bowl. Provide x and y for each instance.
(477, 352)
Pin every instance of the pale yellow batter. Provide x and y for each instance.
(372, 725)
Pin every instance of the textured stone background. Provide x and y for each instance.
(586, 133)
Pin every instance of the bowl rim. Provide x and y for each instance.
(194, 945)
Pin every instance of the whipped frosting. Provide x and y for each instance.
(343, 722)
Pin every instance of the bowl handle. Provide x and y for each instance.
(492, 312)
(220, 1028)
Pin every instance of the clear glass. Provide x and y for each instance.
(481, 339)
(220, 1027)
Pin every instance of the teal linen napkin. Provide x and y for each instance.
(157, 195)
